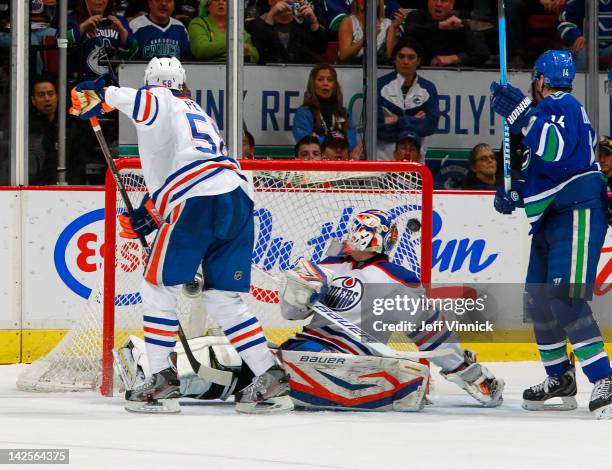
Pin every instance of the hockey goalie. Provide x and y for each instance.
(328, 368)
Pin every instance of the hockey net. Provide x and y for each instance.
(301, 208)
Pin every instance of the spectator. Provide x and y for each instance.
(408, 147)
(308, 148)
(42, 26)
(351, 34)
(207, 34)
(483, 169)
(42, 138)
(332, 12)
(570, 29)
(605, 158)
(335, 146)
(322, 110)
(160, 35)
(288, 35)
(446, 39)
(248, 146)
(42, 154)
(406, 101)
(100, 34)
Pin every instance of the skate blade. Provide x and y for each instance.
(567, 404)
(271, 405)
(162, 406)
(605, 412)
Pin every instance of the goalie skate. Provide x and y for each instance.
(158, 394)
(268, 393)
(561, 389)
(478, 381)
(601, 398)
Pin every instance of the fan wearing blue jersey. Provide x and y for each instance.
(198, 203)
(563, 193)
(160, 35)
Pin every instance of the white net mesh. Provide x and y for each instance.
(297, 214)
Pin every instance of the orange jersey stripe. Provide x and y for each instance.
(247, 335)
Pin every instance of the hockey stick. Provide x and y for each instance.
(503, 79)
(95, 125)
(357, 333)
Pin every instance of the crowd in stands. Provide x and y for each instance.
(322, 33)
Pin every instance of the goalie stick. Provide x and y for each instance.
(95, 125)
(358, 334)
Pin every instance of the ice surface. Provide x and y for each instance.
(452, 434)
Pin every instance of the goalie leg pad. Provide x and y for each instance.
(361, 383)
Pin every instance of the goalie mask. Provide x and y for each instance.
(165, 71)
(372, 230)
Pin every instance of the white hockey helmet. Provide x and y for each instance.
(165, 71)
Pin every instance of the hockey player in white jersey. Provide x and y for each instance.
(340, 282)
(198, 202)
(329, 369)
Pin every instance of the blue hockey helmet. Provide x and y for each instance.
(373, 230)
(557, 67)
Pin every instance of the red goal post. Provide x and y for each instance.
(297, 196)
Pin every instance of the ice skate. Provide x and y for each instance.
(478, 381)
(158, 394)
(268, 393)
(563, 388)
(601, 398)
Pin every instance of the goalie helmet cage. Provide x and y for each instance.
(300, 207)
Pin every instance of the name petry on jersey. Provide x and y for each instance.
(181, 150)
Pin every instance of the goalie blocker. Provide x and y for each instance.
(319, 380)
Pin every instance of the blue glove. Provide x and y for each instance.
(510, 102)
(142, 222)
(88, 99)
(97, 85)
(505, 203)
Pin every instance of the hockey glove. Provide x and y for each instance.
(306, 284)
(510, 102)
(142, 222)
(88, 99)
(505, 203)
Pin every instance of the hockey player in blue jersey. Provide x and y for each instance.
(563, 193)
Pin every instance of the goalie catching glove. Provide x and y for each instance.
(141, 222)
(88, 99)
(306, 284)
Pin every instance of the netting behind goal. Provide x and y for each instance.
(301, 209)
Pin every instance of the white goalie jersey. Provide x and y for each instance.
(352, 292)
(181, 151)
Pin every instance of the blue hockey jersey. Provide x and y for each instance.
(560, 168)
(97, 47)
(572, 18)
(160, 41)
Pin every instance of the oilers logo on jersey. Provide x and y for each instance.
(345, 293)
